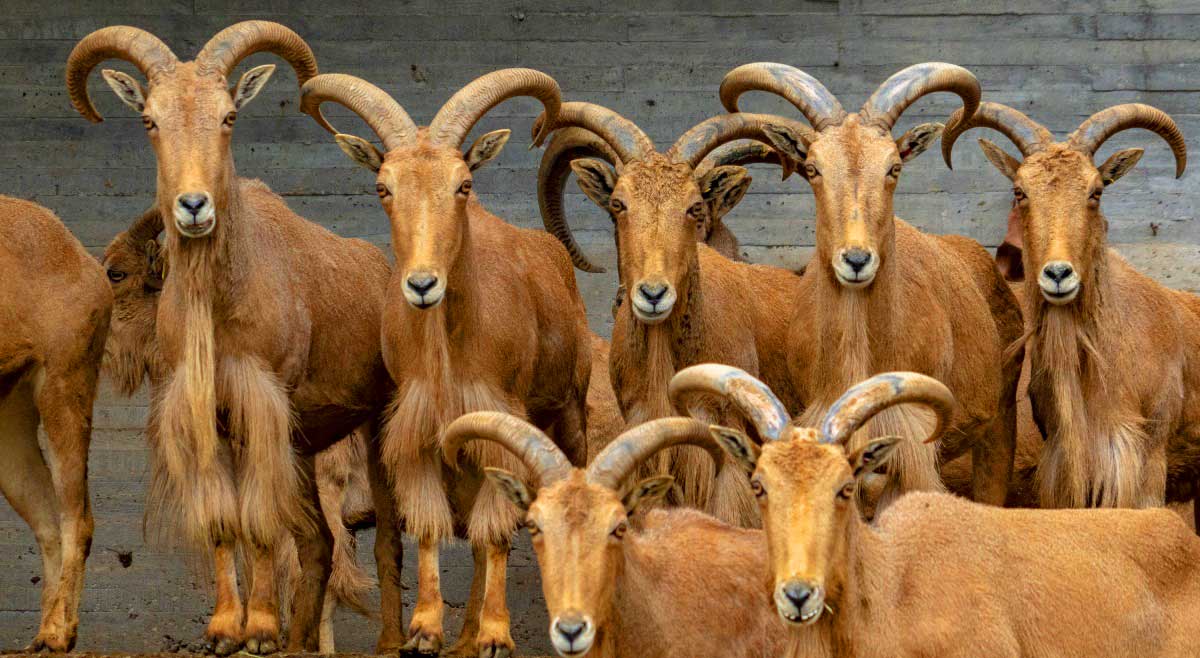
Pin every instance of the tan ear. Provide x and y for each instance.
(360, 151)
(788, 142)
(873, 455)
(916, 141)
(723, 187)
(596, 178)
(737, 445)
(511, 486)
(126, 88)
(487, 147)
(250, 84)
(647, 491)
(1118, 164)
(1007, 164)
(156, 270)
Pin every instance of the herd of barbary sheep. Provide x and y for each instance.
(762, 462)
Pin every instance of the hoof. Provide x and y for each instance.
(422, 644)
(261, 646)
(495, 650)
(50, 643)
(221, 646)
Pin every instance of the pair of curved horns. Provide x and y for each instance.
(1031, 137)
(847, 415)
(547, 462)
(453, 121)
(152, 57)
(822, 108)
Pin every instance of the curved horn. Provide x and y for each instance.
(381, 112)
(805, 92)
(1028, 135)
(636, 445)
(146, 227)
(134, 45)
(904, 87)
(567, 145)
(456, 118)
(528, 443)
(1093, 132)
(752, 397)
(700, 139)
(741, 153)
(241, 40)
(869, 397)
(626, 139)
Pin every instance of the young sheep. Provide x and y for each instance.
(936, 575)
(671, 582)
(1122, 430)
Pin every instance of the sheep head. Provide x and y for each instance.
(135, 266)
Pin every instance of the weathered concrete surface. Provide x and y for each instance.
(657, 61)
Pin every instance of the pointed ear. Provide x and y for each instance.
(126, 88)
(647, 491)
(511, 486)
(916, 141)
(1007, 164)
(737, 445)
(1118, 164)
(155, 266)
(596, 178)
(788, 142)
(723, 187)
(873, 455)
(486, 148)
(251, 83)
(360, 151)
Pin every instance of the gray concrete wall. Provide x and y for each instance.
(657, 61)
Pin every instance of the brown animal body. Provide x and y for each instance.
(268, 324)
(54, 316)
(1005, 583)
(666, 583)
(1122, 430)
(136, 267)
(684, 303)
(886, 296)
(481, 315)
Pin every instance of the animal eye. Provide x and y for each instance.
(1095, 196)
(148, 123)
(116, 276)
(811, 171)
(382, 190)
(616, 205)
(895, 172)
(619, 531)
(696, 211)
(1019, 194)
(465, 188)
(533, 528)
(846, 491)
(757, 488)
(230, 118)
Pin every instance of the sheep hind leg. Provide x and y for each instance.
(389, 552)
(261, 631)
(465, 646)
(224, 633)
(425, 630)
(494, 639)
(314, 545)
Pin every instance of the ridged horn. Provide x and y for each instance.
(376, 107)
(805, 92)
(904, 88)
(626, 139)
(1093, 132)
(632, 447)
(566, 145)
(144, 50)
(535, 450)
(740, 153)
(702, 138)
(871, 396)
(466, 107)
(1028, 135)
(230, 46)
(751, 397)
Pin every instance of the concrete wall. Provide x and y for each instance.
(657, 61)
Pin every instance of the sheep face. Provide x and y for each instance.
(189, 114)
(135, 270)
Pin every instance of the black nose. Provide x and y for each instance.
(857, 258)
(422, 283)
(653, 293)
(193, 201)
(798, 593)
(570, 627)
(1056, 272)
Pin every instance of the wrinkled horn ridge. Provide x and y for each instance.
(752, 397)
(230, 46)
(456, 118)
(803, 91)
(867, 398)
(742, 153)
(638, 444)
(702, 138)
(376, 107)
(626, 139)
(535, 450)
(567, 145)
(134, 45)
(1028, 135)
(903, 89)
(1093, 132)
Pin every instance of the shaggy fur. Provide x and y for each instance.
(54, 316)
